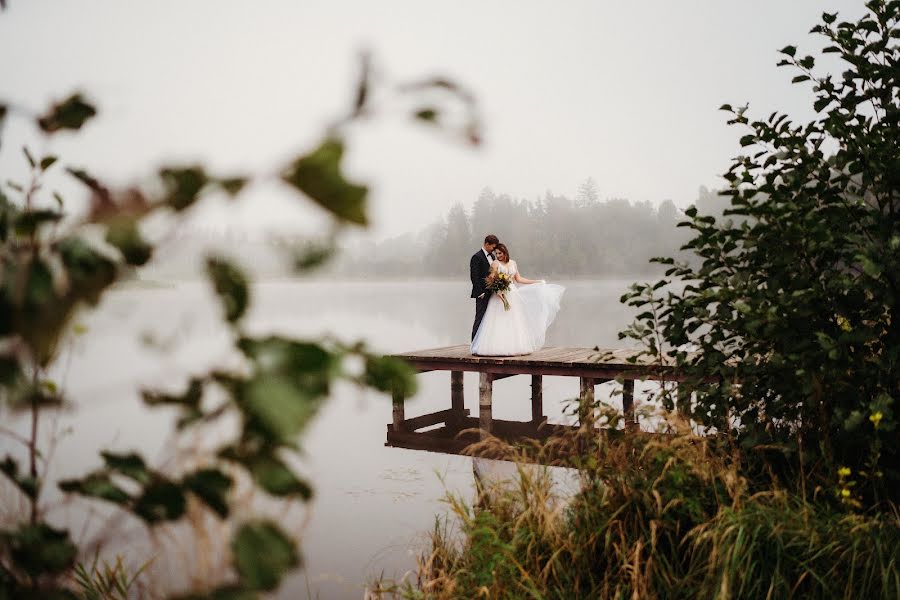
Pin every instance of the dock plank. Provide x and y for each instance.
(605, 363)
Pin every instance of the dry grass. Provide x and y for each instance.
(657, 516)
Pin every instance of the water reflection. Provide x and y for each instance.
(373, 503)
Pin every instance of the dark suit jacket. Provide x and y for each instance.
(479, 268)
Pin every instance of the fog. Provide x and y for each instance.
(624, 93)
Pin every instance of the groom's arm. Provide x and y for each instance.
(475, 274)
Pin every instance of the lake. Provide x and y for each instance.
(374, 505)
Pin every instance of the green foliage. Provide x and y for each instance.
(51, 267)
(792, 314)
(262, 555)
(38, 548)
(655, 517)
(318, 175)
(71, 114)
(231, 287)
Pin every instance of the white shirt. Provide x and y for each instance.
(487, 255)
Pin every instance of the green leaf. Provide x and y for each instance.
(131, 465)
(161, 501)
(123, 234)
(389, 374)
(726, 107)
(71, 113)
(28, 484)
(231, 287)
(232, 185)
(47, 162)
(189, 401)
(29, 221)
(211, 486)
(800, 78)
(95, 485)
(262, 555)
(276, 478)
(789, 50)
(90, 273)
(429, 115)
(183, 185)
(748, 139)
(279, 406)
(318, 175)
(39, 549)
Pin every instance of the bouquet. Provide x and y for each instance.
(498, 283)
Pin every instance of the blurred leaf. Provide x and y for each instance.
(47, 162)
(59, 199)
(189, 401)
(131, 465)
(319, 176)
(278, 406)
(231, 287)
(313, 255)
(428, 115)
(28, 222)
(387, 374)
(161, 501)
(232, 185)
(183, 185)
(277, 478)
(38, 549)
(123, 233)
(26, 483)
(90, 273)
(211, 486)
(95, 485)
(71, 113)
(262, 555)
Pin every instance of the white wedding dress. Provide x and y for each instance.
(523, 328)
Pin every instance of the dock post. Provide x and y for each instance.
(399, 416)
(485, 391)
(683, 400)
(586, 402)
(457, 397)
(628, 404)
(537, 399)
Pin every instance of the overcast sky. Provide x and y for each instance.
(624, 92)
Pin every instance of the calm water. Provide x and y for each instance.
(373, 504)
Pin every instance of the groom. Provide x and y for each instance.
(479, 268)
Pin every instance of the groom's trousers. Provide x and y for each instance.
(480, 306)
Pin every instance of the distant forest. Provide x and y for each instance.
(554, 236)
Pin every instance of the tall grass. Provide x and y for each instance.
(656, 516)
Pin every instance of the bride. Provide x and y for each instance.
(532, 307)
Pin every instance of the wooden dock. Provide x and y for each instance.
(592, 366)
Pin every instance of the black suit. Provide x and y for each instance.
(479, 268)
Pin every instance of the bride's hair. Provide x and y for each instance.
(502, 248)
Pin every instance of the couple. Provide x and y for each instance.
(532, 306)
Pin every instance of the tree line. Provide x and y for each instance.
(554, 235)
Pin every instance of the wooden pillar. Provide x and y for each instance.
(683, 400)
(628, 403)
(485, 393)
(537, 398)
(457, 398)
(399, 416)
(586, 401)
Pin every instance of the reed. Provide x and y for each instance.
(655, 516)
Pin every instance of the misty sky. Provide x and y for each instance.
(624, 92)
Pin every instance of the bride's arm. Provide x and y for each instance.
(523, 280)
